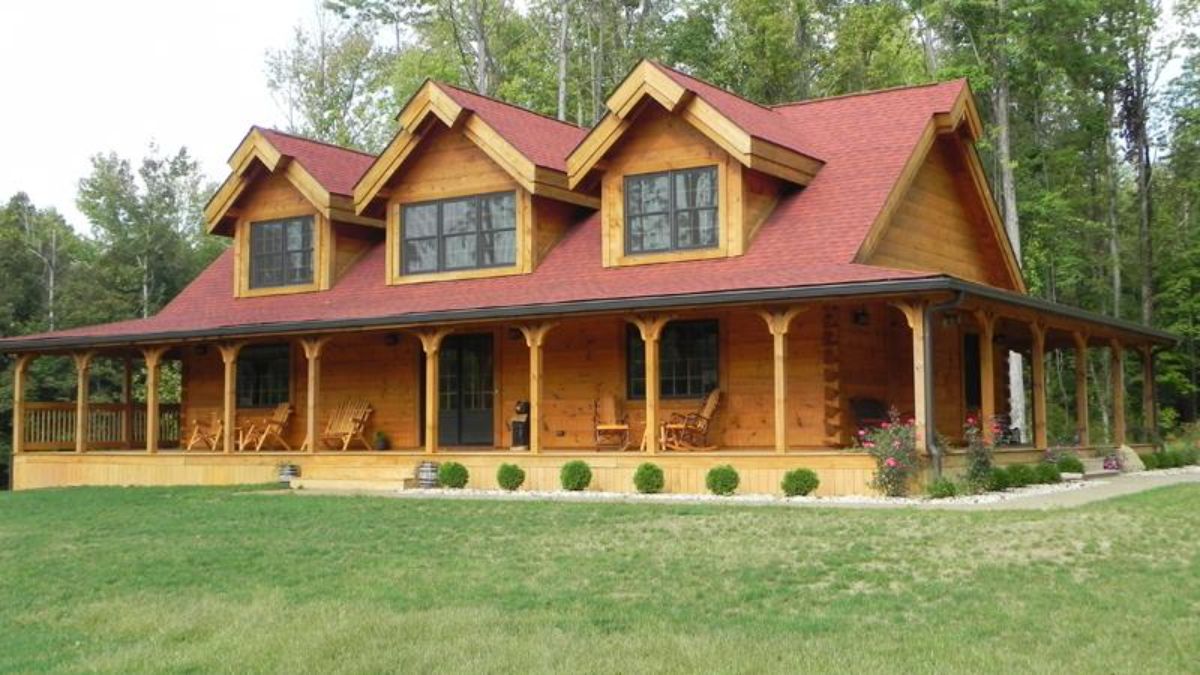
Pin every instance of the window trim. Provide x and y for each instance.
(632, 336)
(313, 235)
(401, 268)
(287, 389)
(672, 210)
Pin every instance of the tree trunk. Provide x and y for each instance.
(563, 25)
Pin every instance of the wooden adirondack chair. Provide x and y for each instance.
(268, 427)
(209, 434)
(348, 422)
(690, 432)
(611, 428)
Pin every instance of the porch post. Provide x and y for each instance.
(229, 355)
(20, 370)
(650, 328)
(431, 342)
(1081, 389)
(1116, 356)
(778, 322)
(83, 371)
(535, 337)
(1149, 411)
(312, 352)
(987, 374)
(153, 357)
(1039, 385)
(914, 314)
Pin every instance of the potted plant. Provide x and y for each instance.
(287, 471)
(382, 442)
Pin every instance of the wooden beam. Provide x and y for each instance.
(1116, 355)
(229, 356)
(1149, 409)
(535, 337)
(778, 322)
(431, 342)
(650, 327)
(987, 374)
(1038, 366)
(914, 314)
(312, 353)
(1081, 389)
(153, 357)
(83, 371)
(20, 371)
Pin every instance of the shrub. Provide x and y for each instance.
(1069, 464)
(979, 456)
(997, 480)
(1190, 456)
(575, 476)
(1150, 460)
(453, 475)
(648, 479)
(799, 482)
(1177, 458)
(510, 476)
(1048, 473)
(722, 480)
(1020, 475)
(942, 488)
(893, 446)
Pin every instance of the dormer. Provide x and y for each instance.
(288, 205)
(471, 187)
(686, 171)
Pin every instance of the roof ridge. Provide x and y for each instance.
(710, 84)
(522, 108)
(869, 92)
(313, 140)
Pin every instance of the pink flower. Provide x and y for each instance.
(891, 462)
(862, 432)
(896, 444)
(884, 425)
(868, 444)
(972, 421)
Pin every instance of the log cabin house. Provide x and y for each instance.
(816, 263)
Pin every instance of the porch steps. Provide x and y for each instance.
(349, 485)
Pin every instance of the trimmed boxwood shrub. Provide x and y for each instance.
(1020, 475)
(453, 475)
(510, 476)
(997, 480)
(1190, 456)
(722, 480)
(1070, 464)
(1176, 458)
(1150, 460)
(649, 479)
(942, 488)
(799, 482)
(1048, 473)
(575, 476)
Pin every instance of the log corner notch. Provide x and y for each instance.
(535, 338)
(778, 322)
(431, 343)
(650, 326)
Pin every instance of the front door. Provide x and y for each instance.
(465, 391)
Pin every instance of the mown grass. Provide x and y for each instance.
(140, 580)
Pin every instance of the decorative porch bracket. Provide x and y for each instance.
(83, 372)
(535, 337)
(431, 342)
(650, 327)
(153, 358)
(229, 355)
(778, 322)
(312, 352)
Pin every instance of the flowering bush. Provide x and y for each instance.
(893, 445)
(979, 455)
(1112, 462)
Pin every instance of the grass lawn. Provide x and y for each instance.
(122, 580)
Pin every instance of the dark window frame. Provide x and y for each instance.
(673, 210)
(441, 236)
(264, 376)
(283, 256)
(695, 367)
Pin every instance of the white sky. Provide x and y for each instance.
(80, 78)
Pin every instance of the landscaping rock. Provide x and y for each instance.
(1129, 460)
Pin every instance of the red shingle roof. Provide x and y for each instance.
(337, 169)
(811, 238)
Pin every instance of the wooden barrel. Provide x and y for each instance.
(427, 474)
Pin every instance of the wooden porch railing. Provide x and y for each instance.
(51, 426)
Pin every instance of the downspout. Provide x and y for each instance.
(935, 452)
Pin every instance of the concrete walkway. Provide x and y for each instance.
(1107, 488)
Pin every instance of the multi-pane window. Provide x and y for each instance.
(458, 234)
(672, 210)
(281, 252)
(263, 376)
(687, 360)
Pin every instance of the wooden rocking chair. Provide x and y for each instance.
(268, 427)
(690, 432)
(210, 434)
(348, 422)
(611, 428)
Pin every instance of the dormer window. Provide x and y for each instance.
(464, 233)
(281, 253)
(671, 211)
